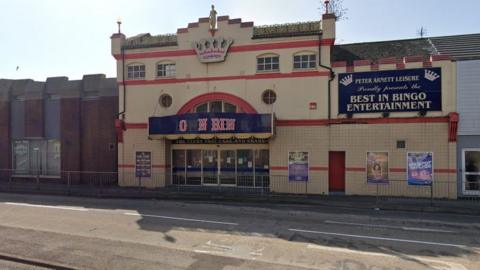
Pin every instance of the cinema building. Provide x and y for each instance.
(225, 103)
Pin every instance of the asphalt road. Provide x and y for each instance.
(86, 233)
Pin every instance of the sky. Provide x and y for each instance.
(48, 38)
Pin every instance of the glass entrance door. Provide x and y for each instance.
(210, 167)
(471, 171)
(227, 167)
(245, 167)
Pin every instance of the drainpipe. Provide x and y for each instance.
(122, 113)
(332, 74)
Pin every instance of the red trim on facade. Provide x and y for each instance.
(313, 168)
(136, 125)
(398, 170)
(238, 48)
(179, 31)
(297, 123)
(323, 122)
(439, 57)
(190, 105)
(427, 64)
(413, 58)
(400, 66)
(204, 20)
(445, 170)
(327, 42)
(260, 76)
(374, 67)
(223, 18)
(193, 25)
(338, 64)
(275, 46)
(355, 169)
(387, 61)
(357, 63)
(350, 69)
(279, 168)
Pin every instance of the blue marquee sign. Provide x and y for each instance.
(390, 91)
(210, 123)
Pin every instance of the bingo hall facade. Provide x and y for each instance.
(281, 108)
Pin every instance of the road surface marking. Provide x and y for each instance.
(183, 219)
(450, 265)
(380, 238)
(389, 226)
(211, 244)
(48, 206)
(207, 252)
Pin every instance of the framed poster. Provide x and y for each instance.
(143, 164)
(298, 166)
(377, 167)
(420, 168)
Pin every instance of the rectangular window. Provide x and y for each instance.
(32, 157)
(166, 70)
(136, 72)
(270, 63)
(304, 61)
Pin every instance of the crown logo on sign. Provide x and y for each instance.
(213, 49)
(347, 80)
(430, 75)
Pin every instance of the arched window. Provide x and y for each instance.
(268, 63)
(136, 71)
(216, 106)
(217, 102)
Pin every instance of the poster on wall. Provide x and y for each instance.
(298, 166)
(377, 167)
(420, 168)
(143, 164)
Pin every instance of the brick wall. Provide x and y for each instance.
(5, 162)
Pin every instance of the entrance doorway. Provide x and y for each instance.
(471, 171)
(336, 171)
(222, 165)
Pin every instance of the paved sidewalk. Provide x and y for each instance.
(470, 206)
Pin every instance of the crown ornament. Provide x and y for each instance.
(347, 80)
(212, 49)
(431, 75)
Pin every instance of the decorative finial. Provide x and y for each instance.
(119, 23)
(327, 3)
(213, 18)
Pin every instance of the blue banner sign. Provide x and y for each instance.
(420, 169)
(390, 91)
(210, 123)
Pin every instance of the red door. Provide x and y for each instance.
(336, 171)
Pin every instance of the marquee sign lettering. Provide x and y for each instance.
(210, 123)
(212, 49)
(390, 91)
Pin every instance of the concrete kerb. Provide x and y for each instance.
(346, 202)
